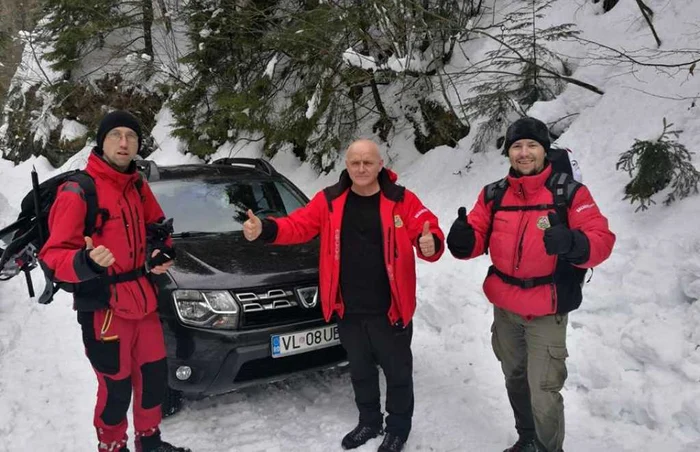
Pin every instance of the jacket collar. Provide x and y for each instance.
(387, 185)
(98, 167)
(529, 185)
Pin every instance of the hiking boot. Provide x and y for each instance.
(524, 445)
(360, 435)
(392, 443)
(153, 443)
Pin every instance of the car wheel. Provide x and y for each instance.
(172, 402)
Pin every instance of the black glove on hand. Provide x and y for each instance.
(461, 239)
(558, 239)
(166, 254)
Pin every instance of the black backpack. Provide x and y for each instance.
(28, 234)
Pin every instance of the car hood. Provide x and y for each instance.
(229, 261)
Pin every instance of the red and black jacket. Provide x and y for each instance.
(517, 247)
(402, 219)
(129, 206)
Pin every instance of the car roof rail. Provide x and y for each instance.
(259, 164)
(149, 168)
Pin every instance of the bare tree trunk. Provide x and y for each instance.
(147, 24)
(166, 16)
(384, 123)
(647, 13)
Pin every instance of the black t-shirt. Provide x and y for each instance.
(364, 283)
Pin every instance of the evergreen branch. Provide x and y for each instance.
(640, 63)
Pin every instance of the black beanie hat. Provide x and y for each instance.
(527, 128)
(118, 118)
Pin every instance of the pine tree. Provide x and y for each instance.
(278, 70)
(77, 28)
(525, 70)
(658, 164)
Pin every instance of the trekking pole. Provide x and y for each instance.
(37, 206)
(30, 285)
(39, 226)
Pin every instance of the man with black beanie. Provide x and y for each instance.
(115, 300)
(543, 230)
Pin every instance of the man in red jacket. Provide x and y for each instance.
(539, 262)
(115, 300)
(368, 227)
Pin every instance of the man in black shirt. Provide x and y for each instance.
(368, 227)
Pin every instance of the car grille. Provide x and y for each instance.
(273, 307)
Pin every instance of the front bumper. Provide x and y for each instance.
(223, 361)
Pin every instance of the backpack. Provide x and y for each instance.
(563, 162)
(28, 234)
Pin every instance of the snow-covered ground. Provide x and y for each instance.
(634, 345)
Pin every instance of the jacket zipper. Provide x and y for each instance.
(126, 229)
(519, 253)
(519, 246)
(140, 249)
(133, 226)
(135, 244)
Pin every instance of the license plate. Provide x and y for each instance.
(304, 341)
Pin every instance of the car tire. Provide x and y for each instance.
(172, 403)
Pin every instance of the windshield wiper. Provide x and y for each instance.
(186, 234)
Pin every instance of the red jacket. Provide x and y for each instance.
(402, 218)
(517, 246)
(123, 233)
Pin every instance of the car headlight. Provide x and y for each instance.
(308, 296)
(206, 308)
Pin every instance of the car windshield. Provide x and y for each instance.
(219, 205)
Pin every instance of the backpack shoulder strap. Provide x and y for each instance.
(87, 184)
(563, 187)
(493, 192)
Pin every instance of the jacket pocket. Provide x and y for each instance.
(555, 374)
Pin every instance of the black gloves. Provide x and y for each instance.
(461, 239)
(156, 235)
(166, 254)
(573, 245)
(558, 239)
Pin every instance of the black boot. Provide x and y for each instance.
(392, 443)
(153, 443)
(524, 445)
(360, 435)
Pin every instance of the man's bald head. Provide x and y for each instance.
(363, 146)
(364, 163)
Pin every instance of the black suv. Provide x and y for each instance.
(235, 313)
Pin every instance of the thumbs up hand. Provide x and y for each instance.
(558, 239)
(461, 238)
(426, 242)
(252, 228)
(101, 256)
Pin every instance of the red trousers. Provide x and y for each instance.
(127, 355)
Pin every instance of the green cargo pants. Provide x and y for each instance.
(532, 355)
